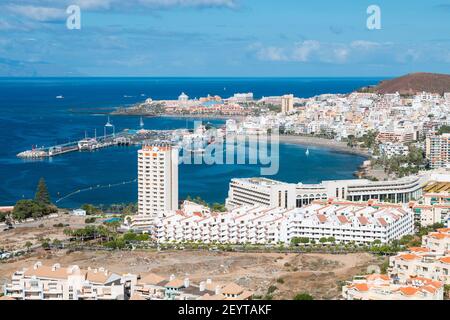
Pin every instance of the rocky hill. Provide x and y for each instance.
(413, 83)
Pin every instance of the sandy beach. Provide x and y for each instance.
(203, 116)
(321, 142)
(312, 142)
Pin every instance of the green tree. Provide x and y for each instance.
(90, 209)
(25, 209)
(45, 245)
(447, 290)
(218, 207)
(42, 196)
(444, 129)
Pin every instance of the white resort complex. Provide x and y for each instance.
(290, 195)
(344, 221)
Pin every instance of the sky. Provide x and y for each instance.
(233, 38)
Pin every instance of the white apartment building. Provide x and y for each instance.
(72, 283)
(432, 208)
(392, 149)
(438, 150)
(403, 135)
(437, 241)
(259, 224)
(261, 191)
(432, 260)
(154, 287)
(347, 221)
(157, 180)
(381, 287)
(241, 97)
(40, 282)
(287, 103)
(244, 224)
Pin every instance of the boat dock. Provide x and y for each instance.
(124, 138)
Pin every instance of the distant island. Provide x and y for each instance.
(413, 83)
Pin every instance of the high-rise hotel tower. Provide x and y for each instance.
(157, 179)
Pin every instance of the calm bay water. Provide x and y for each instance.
(31, 115)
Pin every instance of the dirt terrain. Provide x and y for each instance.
(316, 274)
(34, 231)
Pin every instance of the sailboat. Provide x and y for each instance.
(307, 152)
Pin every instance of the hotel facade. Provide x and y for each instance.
(157, 180)
(252, 191)
(437, 149)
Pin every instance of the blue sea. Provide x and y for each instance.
(31, 115)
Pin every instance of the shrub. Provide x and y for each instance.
(89, 220)
(271, 289)
(303, 296)
(280, 280)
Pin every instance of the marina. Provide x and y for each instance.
(109, 138)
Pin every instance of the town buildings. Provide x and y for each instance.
(382, 287)
(433, 207)
(40, 282)
(154, 287)
(287, 103)
(392, 149)
(417, 274)
(438, 150)
(431, 260)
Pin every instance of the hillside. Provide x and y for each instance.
(413, 83)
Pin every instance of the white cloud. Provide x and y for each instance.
(340, 55)
(365, 45)
(271, 54)
(35, 13)
(128, 5)
(304, 50)
(313, 51)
